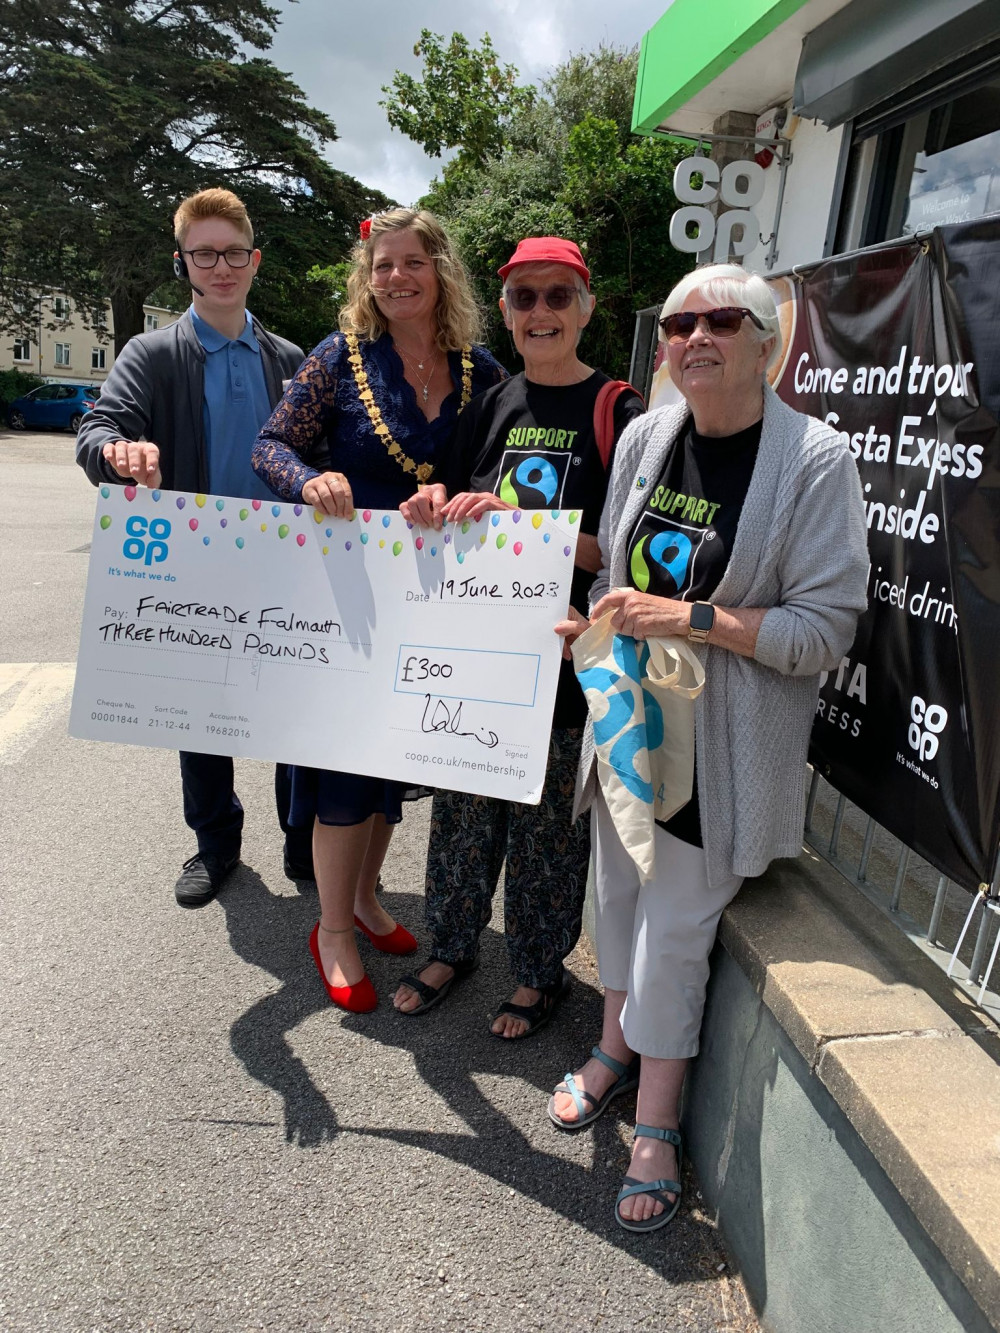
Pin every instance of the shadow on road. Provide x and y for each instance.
(450, 1047)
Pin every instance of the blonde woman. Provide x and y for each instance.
(406, 358)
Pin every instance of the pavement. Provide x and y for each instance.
(191, 1136)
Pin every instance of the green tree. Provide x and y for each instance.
(569, 165)
(465, 99)
(16, 383)
(112, 110)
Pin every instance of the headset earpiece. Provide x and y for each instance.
(181, 269)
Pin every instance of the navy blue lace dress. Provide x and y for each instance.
(323, 400)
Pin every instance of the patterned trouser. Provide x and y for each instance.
(546, 875)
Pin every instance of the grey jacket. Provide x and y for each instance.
(800, 550)
(156, 391)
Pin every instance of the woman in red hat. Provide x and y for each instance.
(528, 443)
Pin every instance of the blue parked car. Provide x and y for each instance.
(58, 406)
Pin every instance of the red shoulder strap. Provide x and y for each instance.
(604, 415)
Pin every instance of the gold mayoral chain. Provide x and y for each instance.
(423, 471)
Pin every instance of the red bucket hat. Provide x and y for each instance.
(547, 250)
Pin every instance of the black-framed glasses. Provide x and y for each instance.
(237, 256)
(723, 322)
(523, 299)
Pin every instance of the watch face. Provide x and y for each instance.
(702, 616)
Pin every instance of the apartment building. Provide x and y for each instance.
(65, 346)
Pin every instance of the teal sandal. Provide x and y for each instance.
(656, 1189)
(628, 1078)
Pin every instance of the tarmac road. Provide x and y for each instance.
(191, 1137)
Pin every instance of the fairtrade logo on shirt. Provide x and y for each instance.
(663, 556)
(532, 481)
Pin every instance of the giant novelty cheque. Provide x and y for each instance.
(269, 631)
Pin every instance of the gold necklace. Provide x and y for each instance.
(422, 471)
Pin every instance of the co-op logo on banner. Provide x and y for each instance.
(146, 539)
(927, 724)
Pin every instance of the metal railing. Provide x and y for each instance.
(909, 891)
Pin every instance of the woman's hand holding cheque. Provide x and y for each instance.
(426, 507)
(570, 630)
(431, 508)
(330, 493)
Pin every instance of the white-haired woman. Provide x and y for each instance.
(736, 522)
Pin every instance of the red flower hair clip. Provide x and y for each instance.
(365, 229)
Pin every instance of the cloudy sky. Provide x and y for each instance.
(341, 54)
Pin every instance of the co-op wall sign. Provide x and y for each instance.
(739, 185)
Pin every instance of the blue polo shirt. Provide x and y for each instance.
(235, 407)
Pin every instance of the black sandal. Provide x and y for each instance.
(432, 995)
(538, 1014)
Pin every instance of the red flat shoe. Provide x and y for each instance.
(357, 999)
(398, 940)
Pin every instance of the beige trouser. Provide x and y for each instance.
(653, 940)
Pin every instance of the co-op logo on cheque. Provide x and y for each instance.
(927, 721)
(146, 540)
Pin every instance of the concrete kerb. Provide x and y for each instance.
(902, 1052)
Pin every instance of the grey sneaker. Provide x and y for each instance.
(202, 877)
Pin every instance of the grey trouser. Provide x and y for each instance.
(653, 940)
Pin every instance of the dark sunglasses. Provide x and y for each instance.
(235, 257)
(523, 299)
(725, 322)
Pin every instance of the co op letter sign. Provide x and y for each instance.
(739, 185)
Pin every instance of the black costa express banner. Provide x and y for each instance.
(899, 350)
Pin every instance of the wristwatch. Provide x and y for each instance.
(702, 620)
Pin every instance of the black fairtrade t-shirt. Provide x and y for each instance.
(533, 445)
(682, 540)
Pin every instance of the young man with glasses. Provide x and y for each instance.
(181, 409)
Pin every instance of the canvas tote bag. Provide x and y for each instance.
(641, 699)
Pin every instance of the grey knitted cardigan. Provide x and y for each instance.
(801, 550)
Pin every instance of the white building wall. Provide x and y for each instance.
(805, 208)
(75, 334)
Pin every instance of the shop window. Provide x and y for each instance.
(940, 165)
(955, 174)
